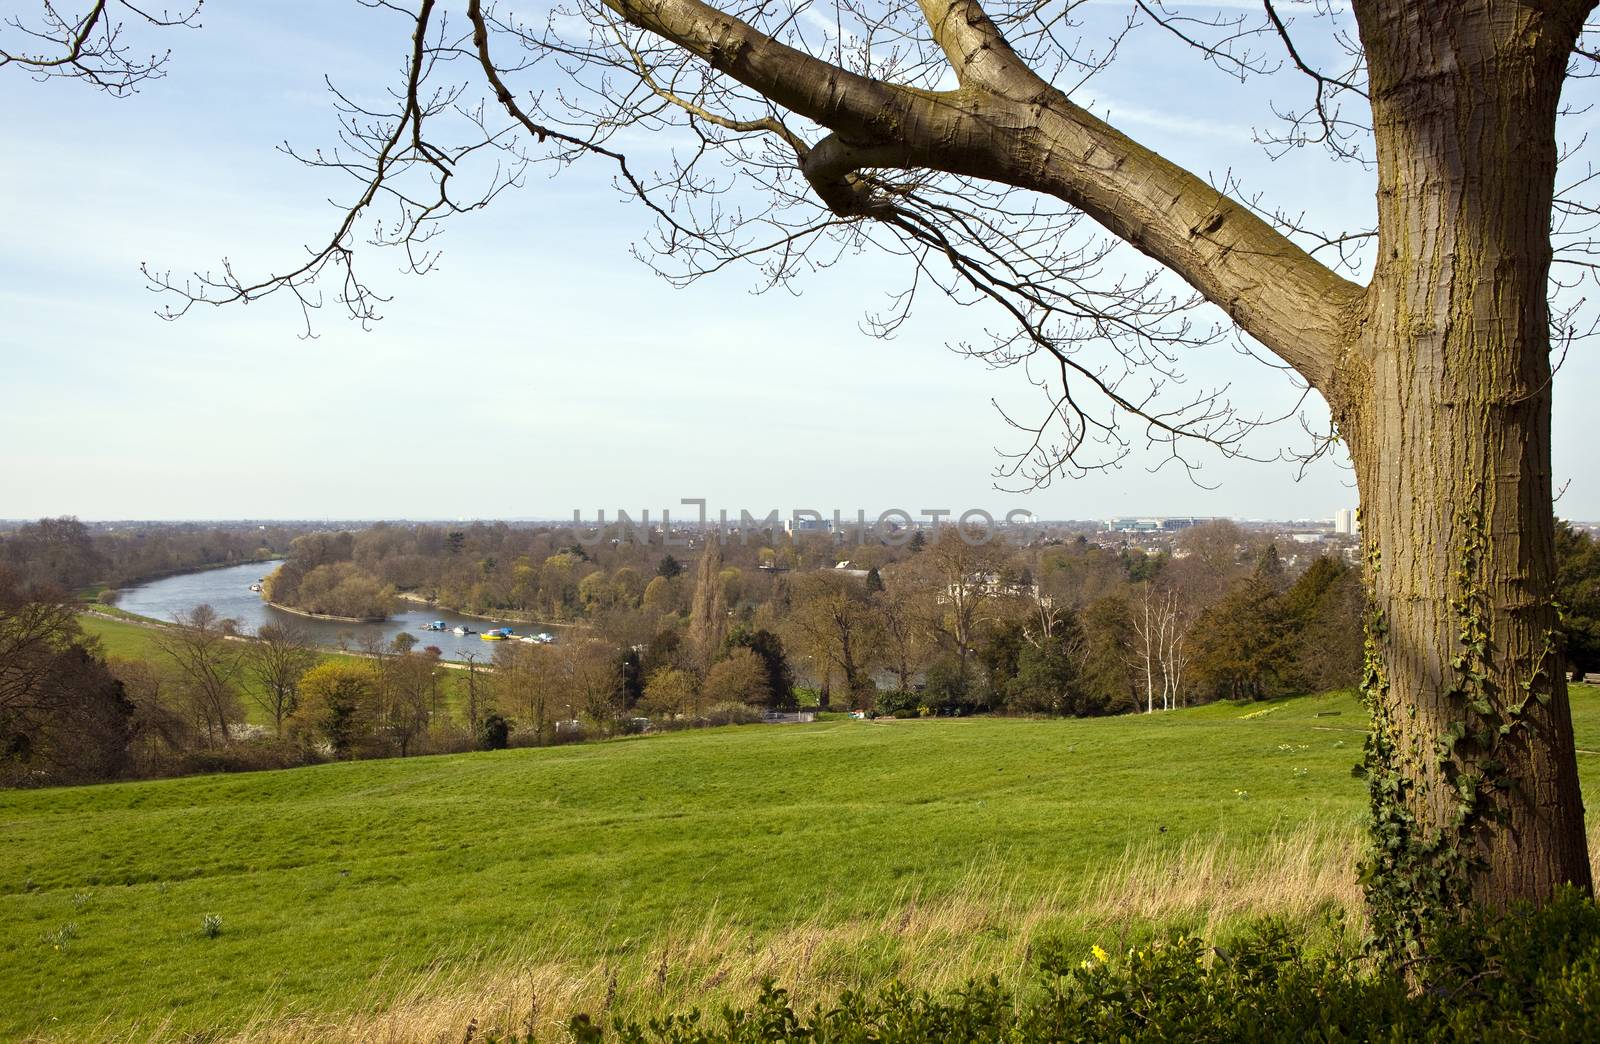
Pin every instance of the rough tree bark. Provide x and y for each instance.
(1437, 373)
(1444, 399)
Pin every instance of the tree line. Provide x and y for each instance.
(939, 626)
(66, 553)
(1057, 626)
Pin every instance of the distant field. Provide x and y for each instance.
(662, 872)
(133, 641)
(119, 638)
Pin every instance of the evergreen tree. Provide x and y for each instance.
(1049, 679)
(1578, 592)
(1322, 610)
(769, 647)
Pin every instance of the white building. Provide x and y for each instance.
(1345, 522)
(1154, 524)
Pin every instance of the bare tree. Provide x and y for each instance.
(832, 619)
(209, 665)
(524, 682)
(1161, 629)
(409, 682)
(970, 586)
(585, 673)
(708, 609)
(276, 661)
(92, 46)
(474, 696)
(904, 612)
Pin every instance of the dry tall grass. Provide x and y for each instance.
(985, 926)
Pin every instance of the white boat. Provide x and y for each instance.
(463, 629)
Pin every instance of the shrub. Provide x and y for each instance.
(1526, 976)
(740, 677)
(732, 713)
(494, 733)
(943, 685)
(668, 692)
(569, 731)
(336, 705)
(901, 704)
(769, 647)
(253, 755)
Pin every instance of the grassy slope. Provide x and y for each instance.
(322, 875)
(135, 641)
(120, 638)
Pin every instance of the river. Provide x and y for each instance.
(228, 592)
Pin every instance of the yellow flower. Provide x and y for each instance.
(1099, 954)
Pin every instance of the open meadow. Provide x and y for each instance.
(356, 899)
(135, 639)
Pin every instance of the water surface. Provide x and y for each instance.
(228, 592)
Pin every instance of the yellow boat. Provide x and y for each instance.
(490, 636)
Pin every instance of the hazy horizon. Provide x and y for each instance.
(541, 367)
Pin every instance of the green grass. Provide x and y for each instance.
(325, 876)
(125, 639)
(101, 610)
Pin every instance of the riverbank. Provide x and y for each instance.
(227, 592)
(508, 616)
(325, 616)
(97, 591)
(167, 574)
(117, 640)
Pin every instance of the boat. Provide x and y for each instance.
(437, 625)
(256, 588)
(499, 634)
(463, 630)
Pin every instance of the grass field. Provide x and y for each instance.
(129, 639)
(396, 899)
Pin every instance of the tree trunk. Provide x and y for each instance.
(1445, 403)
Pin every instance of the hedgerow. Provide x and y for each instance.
(1532, 975)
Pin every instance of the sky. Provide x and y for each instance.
(541, 368)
